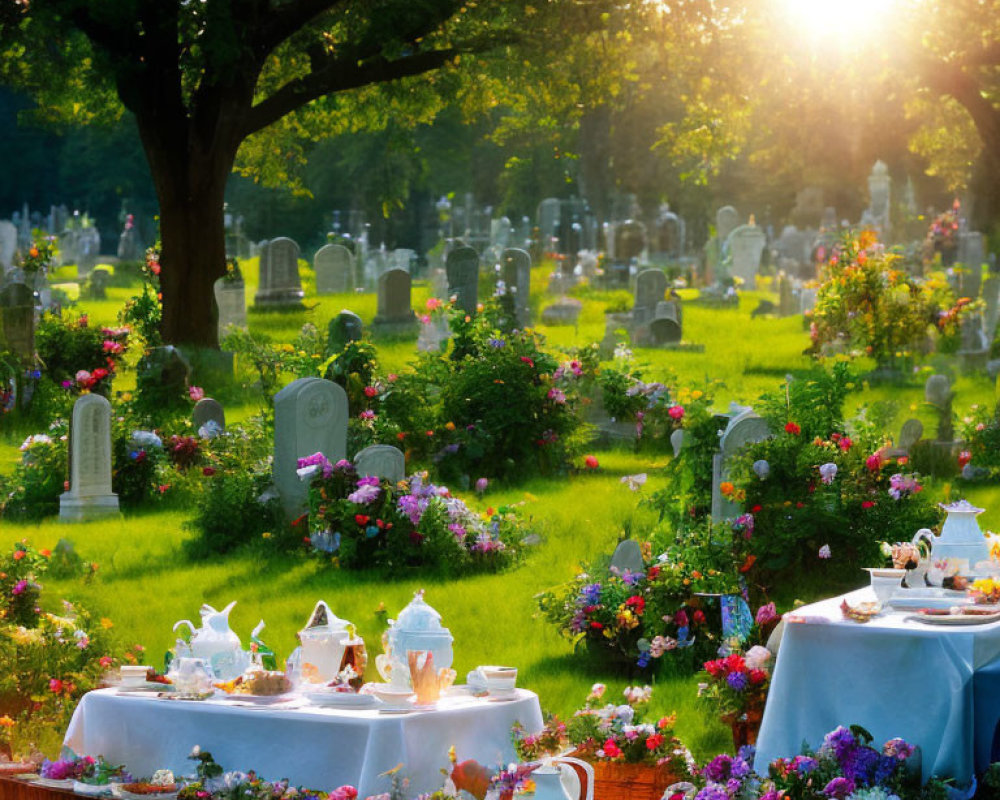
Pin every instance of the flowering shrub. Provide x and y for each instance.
(496, 406)
(639, 617)
(144, 312)
(38, 478)
(49, 659)
(232, 509)
(618, 732)
(981, 434)
(867, 306)
(79, 357)
(367, 522)
(941, 241)
(814, 485)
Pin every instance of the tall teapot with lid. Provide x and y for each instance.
(214, 642)
(418, 628)
(961, 545)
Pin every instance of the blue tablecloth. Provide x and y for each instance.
(936, 686)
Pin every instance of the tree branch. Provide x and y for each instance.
(950, 79)
(278, 25)
(342, 74)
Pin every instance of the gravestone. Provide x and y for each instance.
(395, 314)
(548, 219)
(630, 240)
(516, 273)
(166, 368)
(231, 300)
(88, 246)
(650, 289)
(462, 268)
(744, 427)
(971, 255)
(382, 461)
(910, 433)
(334, 267)
(564, 311)
(746, 244)
(668, 237)
(279, 285)
(665, 328)
(807, 299)
(208, 410)
(344, 328)
(97, 284)
(991, 297)
(8, 243)
(89, 494)
(627, 558)
(794, 248)
(878, 191)
(726, 221)
(786, 298)
(310, 416)
(129, 244)
(17, 321)
(937, 392)
(434, 335)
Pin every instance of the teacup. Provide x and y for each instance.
(497, 680)
(133, 675)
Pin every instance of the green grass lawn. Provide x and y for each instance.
(145, 583)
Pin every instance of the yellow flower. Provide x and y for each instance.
(106, 623)
(287, 348)
(696, 394)
(530, 497)
(450, 426)
(266, 535)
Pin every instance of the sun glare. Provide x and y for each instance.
(821, 17)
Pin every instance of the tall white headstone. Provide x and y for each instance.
(89, 494)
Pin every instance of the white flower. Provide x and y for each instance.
(756, 657)
(634, 482)
(824, 551)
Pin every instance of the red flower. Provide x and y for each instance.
(654, 741)
(208, 471)
(652, 573)
(370, 391)
(867, 503)
(757, 677)
(845, 443)
(361, 519)
(699, 617)
(400, 436)
(636, 603)
(756, 509)
(792, 428)
(715, 668)
(596, 625)
(748, 563)
(528, 361)
(591, 462)
(612, 750)
(55, 685)
(964, 458)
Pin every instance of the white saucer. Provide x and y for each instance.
(341, 700)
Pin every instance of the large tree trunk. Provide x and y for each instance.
(190, 186)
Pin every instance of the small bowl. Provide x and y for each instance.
(392, 696)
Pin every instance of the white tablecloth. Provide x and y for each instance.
(320, 748)
(894, 676)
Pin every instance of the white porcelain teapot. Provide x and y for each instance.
(214, 642)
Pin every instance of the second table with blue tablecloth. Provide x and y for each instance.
(937, 686)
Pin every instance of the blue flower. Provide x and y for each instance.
(371, 531)
(737, 681)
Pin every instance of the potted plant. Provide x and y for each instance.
(736, 690)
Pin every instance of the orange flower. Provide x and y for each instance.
(6, 722)
(726, 488)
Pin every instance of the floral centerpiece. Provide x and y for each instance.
(985, 591)
(736, 689)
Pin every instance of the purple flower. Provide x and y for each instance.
(860, 764)
(737, 681)
(458, 531)
(712, 792)
(369, 480)
(481, 485)
(839, 788)
(803, 765)
(898, 748)
(19, 587)
(766, 613)
(719, 768)
(827, 472)
(632, 578)
(841, 741)
(591, 594)
(365, 494)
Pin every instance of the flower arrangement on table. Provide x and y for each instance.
(638, 617)
(365, 521)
